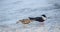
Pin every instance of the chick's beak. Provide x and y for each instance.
(17, 22)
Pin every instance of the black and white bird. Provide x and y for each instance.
(39, 19)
